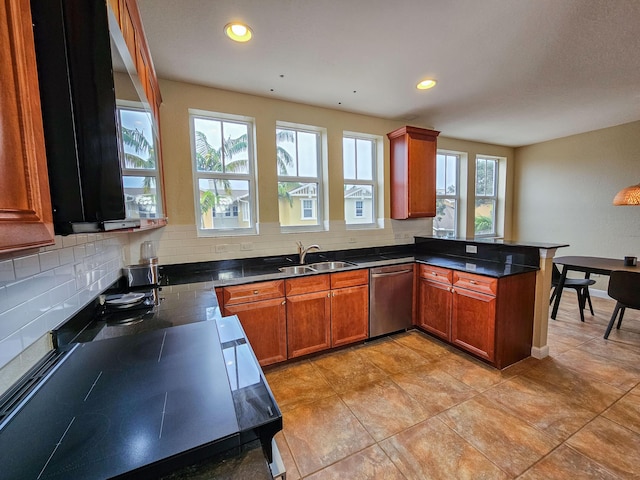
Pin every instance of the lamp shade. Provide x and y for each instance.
(628, 196)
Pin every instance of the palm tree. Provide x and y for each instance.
(135, 138)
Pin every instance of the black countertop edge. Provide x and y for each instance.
(497, 241)
(481, 267)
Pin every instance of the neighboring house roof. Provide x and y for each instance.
(304, 190)
(357, 193)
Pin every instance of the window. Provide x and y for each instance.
(359, 167)
(307, 209)
(140, 170)
(298, 156)
(486, 195)
(222, 150)
(446, 219)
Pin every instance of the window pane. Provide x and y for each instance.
(481, 176)
(441, 174)
(307, 154)
(224, 203)
(286, 152)
(365, 159)
(298, 203)
(485, 217)
(451, 175)
(358, 204)
(140, 195)
(213, 154)
(236, 152)
(490, 178)
(349, 157)
(137, 139)
(444, 223)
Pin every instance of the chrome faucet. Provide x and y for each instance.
(302, 251)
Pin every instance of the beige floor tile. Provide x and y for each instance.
(542, 407)
(431, 450)
(348, 369)
(506, 440)
(434, 388)
(611, 445)
(565, 463)
(393, 357)
(626, 411)
(474, 373)
(600, 368)
(369, 464)
(384, 408)
(296, 384)
(322, 433)
(427, 346)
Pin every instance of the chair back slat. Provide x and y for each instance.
(625, 288)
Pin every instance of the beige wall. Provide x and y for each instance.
(179, 243)
(564, 191)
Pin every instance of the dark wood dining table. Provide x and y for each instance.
(588, 265)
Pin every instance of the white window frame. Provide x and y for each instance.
(455, 197)
(313, 215)
(319, 180)
(373, 183)
(249, 177)
(494, 197)
(138, 172)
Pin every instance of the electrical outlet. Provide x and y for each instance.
(398, 236)
(352, 240)
(221, 248)
(406, 236)
(471, 248)
(246, 246)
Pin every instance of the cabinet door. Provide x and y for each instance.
(25, 204)
(349, 315)
(413, 172)
(434, 308)
(473, 322)
(308, 323)
(265, 324)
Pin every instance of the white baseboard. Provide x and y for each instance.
(540, 352)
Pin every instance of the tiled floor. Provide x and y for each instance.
(410, 407)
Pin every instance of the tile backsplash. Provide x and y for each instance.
(41, 288)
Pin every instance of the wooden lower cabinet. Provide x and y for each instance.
(489, 317)
(308, 323)
(261, 309)
(473, 322)
(434, 308)
(349, 315)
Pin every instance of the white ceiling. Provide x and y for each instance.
(509, 72)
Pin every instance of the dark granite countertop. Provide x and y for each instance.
(480, 267)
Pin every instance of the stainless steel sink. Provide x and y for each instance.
(324, 266)
(296, 270)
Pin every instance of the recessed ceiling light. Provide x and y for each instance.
(238, 32)
(426, 84)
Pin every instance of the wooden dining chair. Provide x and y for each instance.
(580, 285)
(624, 288)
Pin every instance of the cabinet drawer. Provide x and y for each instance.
(437, 274)
(351, 278)
(312, 283)
(253, 292)
(477, 283)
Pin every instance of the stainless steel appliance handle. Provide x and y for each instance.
(389, 274)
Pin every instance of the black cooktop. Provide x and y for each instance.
(142, 405)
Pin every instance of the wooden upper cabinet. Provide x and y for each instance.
(413, 172)
(26, 219)
(127, 16)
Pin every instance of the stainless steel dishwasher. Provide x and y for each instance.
(390, 299)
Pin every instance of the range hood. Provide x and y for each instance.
(73, 55)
